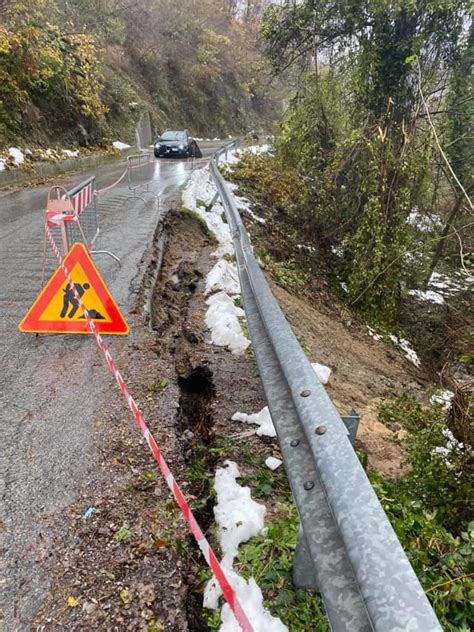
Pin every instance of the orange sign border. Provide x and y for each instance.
(31, 323)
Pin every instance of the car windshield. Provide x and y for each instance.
(170, 135)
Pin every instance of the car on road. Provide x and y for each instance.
(176, 144)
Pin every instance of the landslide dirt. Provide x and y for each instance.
(124, 559)
(364, 372)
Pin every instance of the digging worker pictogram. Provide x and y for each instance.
(70, 299)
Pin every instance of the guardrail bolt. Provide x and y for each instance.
(294, 443)
(320, 430)
(305, 393)
(308, 485)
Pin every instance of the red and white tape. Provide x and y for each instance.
(209, 555)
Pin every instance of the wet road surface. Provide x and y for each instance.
(53, 386)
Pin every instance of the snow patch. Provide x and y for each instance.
(373, 334)
(424, 222)
(262, 419)
(17, 156)
(273, 463)
(443, 398)
(120, 146)
(239, 518)
(408, 350)
(198, 194)
(222, 318)
(305, 247)
(2, 164)
(429, 295)
(450, 285)
(258, 149)
(452, 444)
(322, 372)
(223, 278)
(69, 153)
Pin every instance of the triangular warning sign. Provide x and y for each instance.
(56, 310)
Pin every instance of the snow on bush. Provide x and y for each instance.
(443, 398)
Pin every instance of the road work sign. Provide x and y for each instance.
(57, 310)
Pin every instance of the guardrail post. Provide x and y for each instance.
(351, 421)
(212, 202)
(304, 575)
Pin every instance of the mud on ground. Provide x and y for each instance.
(129, 563)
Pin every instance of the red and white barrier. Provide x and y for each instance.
(209, 555)
(81, 200)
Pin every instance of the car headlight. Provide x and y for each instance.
(181, 146)
(158, 145)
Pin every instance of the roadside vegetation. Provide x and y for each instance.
(367, 201)
(80, 72)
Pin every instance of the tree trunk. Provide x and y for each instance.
(438, 251)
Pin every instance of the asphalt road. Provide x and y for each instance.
(53, 386)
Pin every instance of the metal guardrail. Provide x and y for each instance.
(347, 549)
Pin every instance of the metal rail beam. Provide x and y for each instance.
(360, 568)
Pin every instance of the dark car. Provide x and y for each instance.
(176, 144)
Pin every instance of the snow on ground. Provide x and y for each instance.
(406, 347)
(222, 319)
(16, 155)
(68, 153)
(198, 194)
(450, 284)
(322, 372)
(443, 398)
(429, 295)
(120, 146)
(2, 164)
(239, 518)
(273, 463)
(223, 278)
(373, 334)
(262, 419)
(223, 315)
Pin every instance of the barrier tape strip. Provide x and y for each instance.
(209, 555)
(102, 191)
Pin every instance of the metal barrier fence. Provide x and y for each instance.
(347, 549)
(140, 172)
(84, 202)
(85, 227)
